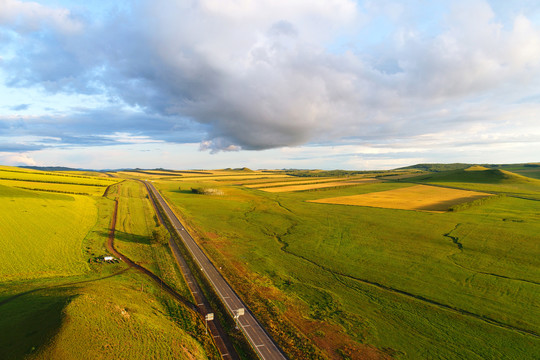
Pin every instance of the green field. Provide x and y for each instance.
(50, 242)
(358, 282)
(55, 182)
(58, 300)
(328, 281)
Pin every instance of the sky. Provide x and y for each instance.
(268, 84)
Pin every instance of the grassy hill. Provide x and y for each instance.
(526, 169)
(490, 180)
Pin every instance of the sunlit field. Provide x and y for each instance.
(371, 282)
(417, 197)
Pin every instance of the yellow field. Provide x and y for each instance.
(42, 234)
(131, 174)
(54, 187)
(476, 168)
(417, 197)
(51, 177)
(232, 177)
(319, 185)
(296, 181)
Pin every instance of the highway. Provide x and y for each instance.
(260, 341)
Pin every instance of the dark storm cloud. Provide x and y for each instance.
(260, 77)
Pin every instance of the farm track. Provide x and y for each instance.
(221, 340)
(423, 299)
(130, 263)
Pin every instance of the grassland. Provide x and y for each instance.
(343, 282)
(61, 220)
(59, 301)
(418, 197)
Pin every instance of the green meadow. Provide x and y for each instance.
(42, 233)
(59, 300)
(355, 282)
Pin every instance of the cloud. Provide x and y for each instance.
(20, 107)
(27, 17)
(264, 74)
(17, 159)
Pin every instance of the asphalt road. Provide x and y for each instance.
(254, 332)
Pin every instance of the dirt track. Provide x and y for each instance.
(157, 279)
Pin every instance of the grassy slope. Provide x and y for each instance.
(82, 309)
(320, 260)
(493, 180)
(50, 241)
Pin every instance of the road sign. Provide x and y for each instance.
(237, 314)
(208, 317)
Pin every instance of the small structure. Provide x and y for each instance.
(108, 258)
(207, 318)
(237, 313)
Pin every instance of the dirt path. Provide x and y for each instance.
(157, 279)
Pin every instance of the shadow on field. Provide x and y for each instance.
(182, 191)
(446, 205)
(30, 322)
(127, 237)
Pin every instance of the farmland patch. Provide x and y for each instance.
(42, 235)
(291, 181)
(418, 197)
(318, 185)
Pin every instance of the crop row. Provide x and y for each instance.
(54, 191)
(57, 174)
(53, 182)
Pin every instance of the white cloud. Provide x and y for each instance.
(31, 16)
(16, 159)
